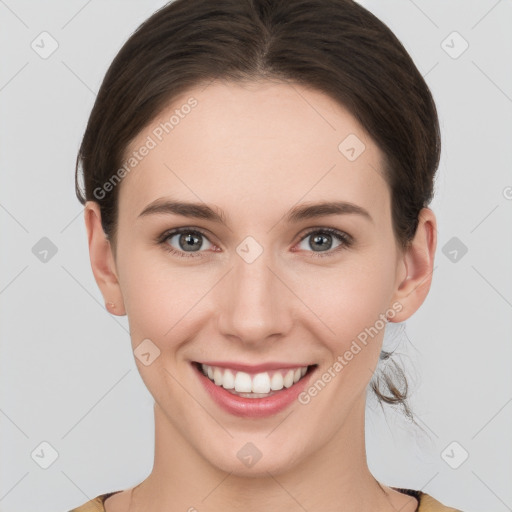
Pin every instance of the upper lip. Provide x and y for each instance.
(252, 368)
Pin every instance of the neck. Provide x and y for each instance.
(334, 477)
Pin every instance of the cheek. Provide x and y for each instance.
(161, 297)
(353, 304)
(161, 304)
(349, 297)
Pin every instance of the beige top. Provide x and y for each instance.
(426, 502)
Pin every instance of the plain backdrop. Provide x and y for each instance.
(69, 386)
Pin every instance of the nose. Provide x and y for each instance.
(255, 303)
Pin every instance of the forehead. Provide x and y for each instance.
(265, 144)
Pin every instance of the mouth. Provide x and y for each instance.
(252, 384)
(249, 391)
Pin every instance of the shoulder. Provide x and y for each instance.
(426, 502)
(430, 504)
(94, 505)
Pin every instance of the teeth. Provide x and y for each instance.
(228, 380)
(288, 379)
(242, 382)
(277, 382)
(260, 383)
(217, 377)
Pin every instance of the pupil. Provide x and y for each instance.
(318, 240)
(189, 241)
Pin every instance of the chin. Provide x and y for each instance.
(247, 456)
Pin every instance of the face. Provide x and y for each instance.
(260, 277)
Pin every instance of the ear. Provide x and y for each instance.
(102, 260)
(417, 263)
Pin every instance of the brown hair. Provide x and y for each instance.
(334, 46)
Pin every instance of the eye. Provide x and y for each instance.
(184, 242)
(190, 243)
(323, 241)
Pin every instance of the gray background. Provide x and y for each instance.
(68, 377)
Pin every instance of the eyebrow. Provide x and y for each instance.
(296, 214)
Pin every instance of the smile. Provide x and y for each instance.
(255, 394)
(253, 385)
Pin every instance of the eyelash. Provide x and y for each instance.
(345, 239)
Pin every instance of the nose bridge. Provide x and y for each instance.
(254, 306)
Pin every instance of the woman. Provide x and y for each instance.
(257, 175)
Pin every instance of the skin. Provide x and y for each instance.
(256, 151)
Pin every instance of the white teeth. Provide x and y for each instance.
(217, 376)
(260, 383)
(243, 382)
(228, 381)
(277, 382)
(288, 379)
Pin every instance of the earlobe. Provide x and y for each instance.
(418, 261)
(102, 260)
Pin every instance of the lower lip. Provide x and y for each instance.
(253, 407)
